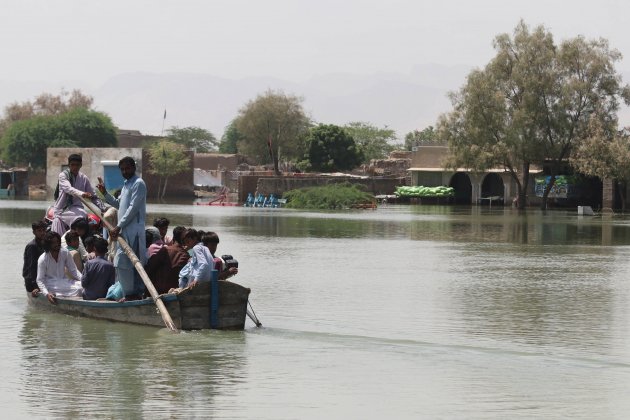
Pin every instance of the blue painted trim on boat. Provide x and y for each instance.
(214, 299)
(111, 304)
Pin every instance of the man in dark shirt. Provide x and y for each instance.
(164, 266)
(98, 273)
(33, 250)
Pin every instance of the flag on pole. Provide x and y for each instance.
(165, 114)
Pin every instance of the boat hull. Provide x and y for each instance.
(190, 309)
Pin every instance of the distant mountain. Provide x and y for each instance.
(137, 101)
(401, 102)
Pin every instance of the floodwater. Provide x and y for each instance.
(405, 312)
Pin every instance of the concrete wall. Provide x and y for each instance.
(180, 185)
(212, 161)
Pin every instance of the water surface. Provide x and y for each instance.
(403, 312)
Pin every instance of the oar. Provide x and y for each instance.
(138, 265)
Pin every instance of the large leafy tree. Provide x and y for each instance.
(194, 138)
(272, 127)
(45, 104)
(230, 139)
(167, 159)
(531, 104)
(26, 141)
(374, 142)
(605, 154)
(331, 149)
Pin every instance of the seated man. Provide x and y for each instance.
(211, 241)
(201, 261)
(80, 227)
(51, 268)
(162, 224)
(72, 185)
(33, 250)
(164, 266)
(72, 245)
(99, 273)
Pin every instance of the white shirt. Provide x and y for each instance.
(51, 274)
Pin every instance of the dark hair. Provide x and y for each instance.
(178, 231)
(75, 157)
(148, 237)
(192, 234)
(210, 238)
(71, 236)
(100, 245)
(127, 159)
(80, 223)
(161, 222)
(48, 240)
(89, 241)
(38, 225)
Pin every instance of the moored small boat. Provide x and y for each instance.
(190, 308)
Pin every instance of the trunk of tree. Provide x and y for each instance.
(621, 186)
(548, 187)
(159, 188)
(522, 186)
(276, 169)
(164, 189)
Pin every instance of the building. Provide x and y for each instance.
(427, 169)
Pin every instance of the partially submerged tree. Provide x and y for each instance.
(331, 149)
(272, 126)
(374, 142)
(604, 154)
(167, 159)
(531, 104)
(193, 138)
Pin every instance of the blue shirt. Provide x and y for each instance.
(131, 207)
(98, 276)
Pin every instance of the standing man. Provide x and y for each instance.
(72, 185)
(131, 206)
(33, 250)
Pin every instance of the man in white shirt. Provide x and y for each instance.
(52, 266)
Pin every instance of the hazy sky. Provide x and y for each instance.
(90, 41)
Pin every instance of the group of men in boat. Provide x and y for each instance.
(68, 259)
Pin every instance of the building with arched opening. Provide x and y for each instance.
(494, 186)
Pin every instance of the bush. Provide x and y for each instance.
(327, 197)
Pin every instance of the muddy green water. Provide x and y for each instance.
(403, 313)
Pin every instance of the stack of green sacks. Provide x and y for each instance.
(420, 191)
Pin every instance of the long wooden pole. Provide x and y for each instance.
(168, 321)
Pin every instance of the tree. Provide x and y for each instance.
(167, 159)
(44, 104)
(425, 137)
(531, 104)
(604, 154)
(331, 149)
(193, 138)
(25, 142)
(230, 139)
(272, 126)
(374, 142)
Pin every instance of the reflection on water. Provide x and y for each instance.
(82, 367)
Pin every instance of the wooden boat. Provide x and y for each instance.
(190, 308)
